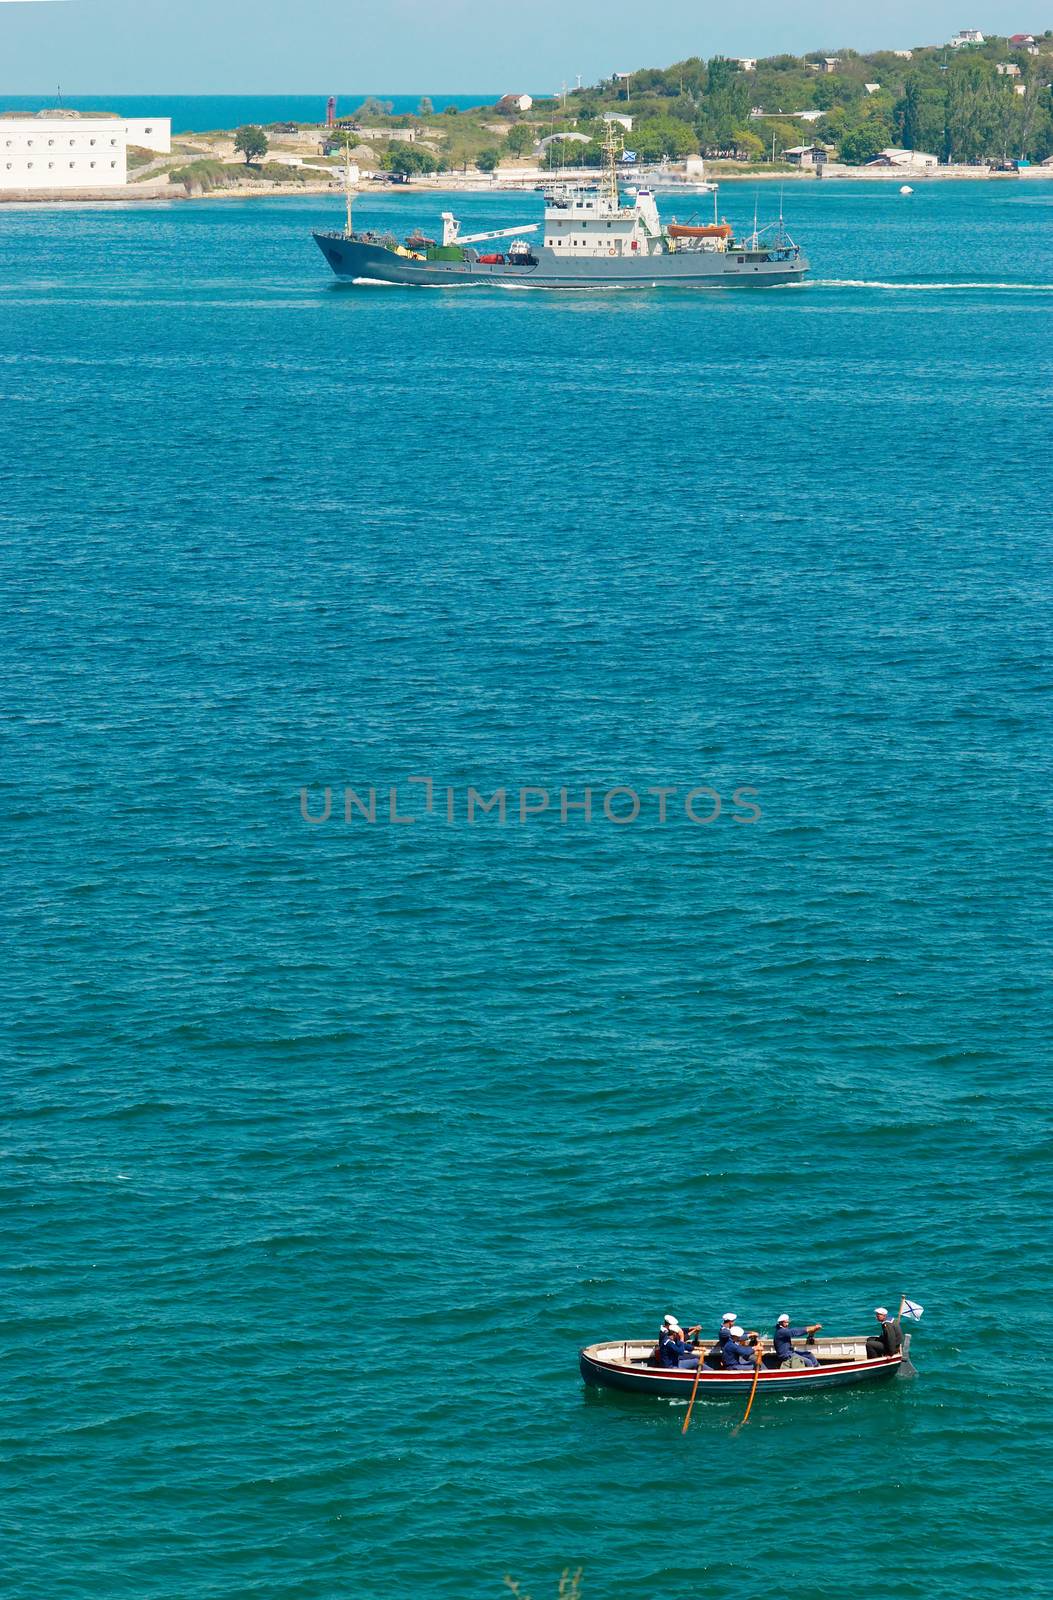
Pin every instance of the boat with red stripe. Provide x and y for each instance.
(842, 1363)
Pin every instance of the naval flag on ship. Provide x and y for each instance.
(911, 1308)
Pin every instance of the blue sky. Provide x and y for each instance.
(427, 46)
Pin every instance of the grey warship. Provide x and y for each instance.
(591, 238)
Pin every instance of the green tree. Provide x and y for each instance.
(425, 108)
(920, 117)
(409, 159)
(719, 74)
(487, 160)
(862, 143)
(663, 136)
(519, 139)
(748, 144)
(251, 143)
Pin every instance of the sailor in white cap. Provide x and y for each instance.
(713, 1356)
(675, 1348)
(889, 1341)
(737, 1356)
(727, 1322)
(784, 1337)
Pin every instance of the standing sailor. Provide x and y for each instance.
(889, 1341)
(784, 1337)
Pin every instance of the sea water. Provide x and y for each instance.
(201, 113)
(327, 1144)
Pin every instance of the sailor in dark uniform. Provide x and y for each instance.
(714, 1357)
(674, 1349)
(889, 1342)
(783, 1341)
(738, 1356)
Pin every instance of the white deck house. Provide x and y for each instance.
(65, 150)
(589, 220)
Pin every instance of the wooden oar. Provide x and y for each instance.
(694, 1391)
(753, 1391)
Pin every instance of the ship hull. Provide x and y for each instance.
(358, 261)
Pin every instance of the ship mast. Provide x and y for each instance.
(347, 181)
(609, 184)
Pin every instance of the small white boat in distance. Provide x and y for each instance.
(905, 188)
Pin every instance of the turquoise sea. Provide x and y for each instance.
(199, 113)
(326, 1145)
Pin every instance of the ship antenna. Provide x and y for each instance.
(756, 204)
(347, 179)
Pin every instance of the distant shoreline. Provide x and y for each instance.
(141, 194)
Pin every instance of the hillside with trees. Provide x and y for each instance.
(953, 103)
(984, 103)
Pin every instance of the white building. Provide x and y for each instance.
(745, 63)
(515, 102)
(895, 157)
(871, 88)
(150, 133)
(65, 150)
(619, 117)
(904, 55)
(965, 36)
(1007, 69)
(807, 155)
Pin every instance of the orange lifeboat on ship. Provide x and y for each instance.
(710, 230)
